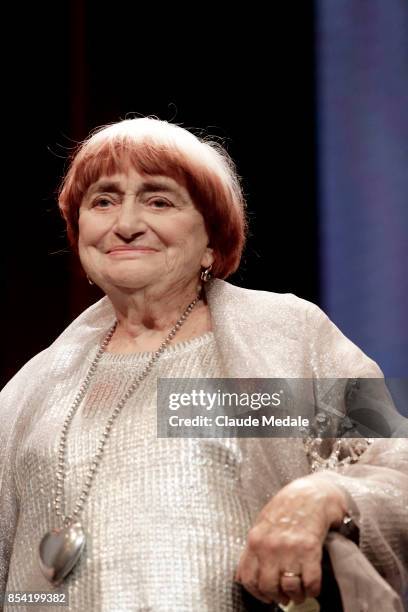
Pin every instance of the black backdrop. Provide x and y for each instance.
(247, 77)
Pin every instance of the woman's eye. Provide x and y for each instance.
(160, 203)
(102, 203)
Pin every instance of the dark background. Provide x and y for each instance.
(247, 78)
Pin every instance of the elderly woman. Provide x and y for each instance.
(91, 498)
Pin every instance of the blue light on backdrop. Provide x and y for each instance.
(362, 63)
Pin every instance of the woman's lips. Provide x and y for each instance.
(131, 251)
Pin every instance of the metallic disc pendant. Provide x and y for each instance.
(60, 550)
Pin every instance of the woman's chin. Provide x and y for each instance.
(127, 282)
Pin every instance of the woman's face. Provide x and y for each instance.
(138, 231)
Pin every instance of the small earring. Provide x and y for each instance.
(89, 280)
(206, 274)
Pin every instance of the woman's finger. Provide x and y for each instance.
(247, 574)
(292, 586)
(270, 587)
(312, 578)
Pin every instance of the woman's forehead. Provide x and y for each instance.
(130, 178)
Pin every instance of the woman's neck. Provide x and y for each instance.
(146, 318)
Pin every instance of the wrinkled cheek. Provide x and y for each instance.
(88, 258)
(82, 253)
(178, 258)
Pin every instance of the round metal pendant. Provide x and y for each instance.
(60, 550)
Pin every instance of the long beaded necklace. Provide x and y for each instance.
(61, 548)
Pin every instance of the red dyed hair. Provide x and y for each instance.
(157, 147)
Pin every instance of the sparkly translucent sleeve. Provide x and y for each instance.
(8, 497)
(374, 473)
(378, 486)
(8, 515)
(14, 400)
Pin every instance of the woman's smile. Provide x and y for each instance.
(129, 251)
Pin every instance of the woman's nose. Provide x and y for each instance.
(130, 221)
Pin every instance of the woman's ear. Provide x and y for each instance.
(208, 258)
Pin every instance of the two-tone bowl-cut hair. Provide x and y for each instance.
(156, 147)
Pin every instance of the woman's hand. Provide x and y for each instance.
(288, 538)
